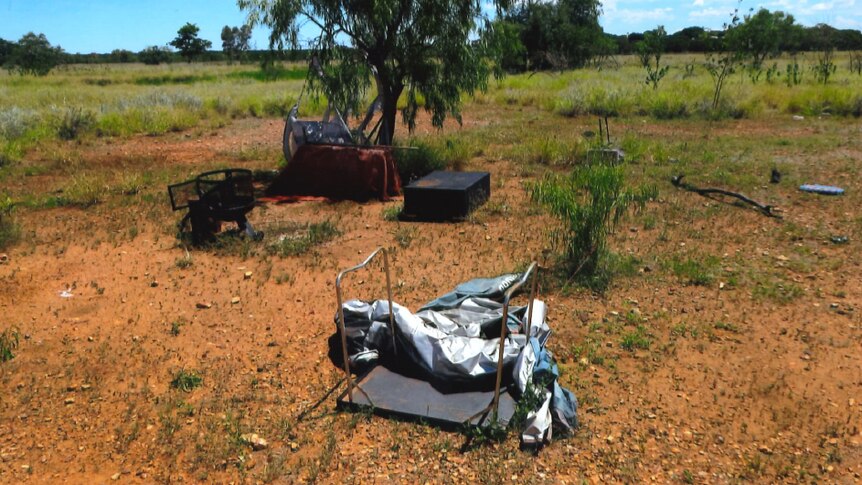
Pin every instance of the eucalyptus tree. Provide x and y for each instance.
(430, 51)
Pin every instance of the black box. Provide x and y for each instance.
(446, 196)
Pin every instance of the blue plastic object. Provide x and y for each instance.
(821, 189)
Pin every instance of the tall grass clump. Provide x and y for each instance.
(594, 99)
(417, 161)
(9, 231)
(73, 121)
(14, 122)
(589, 202)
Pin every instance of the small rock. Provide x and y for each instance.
(798, 117)
(4, 258)
(26, 468)
(90, 339)
(294, 446)
(115, 476)
(154, 284)
(203, 305)
(234, 300)
(247, 275)
(584, 361)
(764, 449)
(257, 443)
(69, 400)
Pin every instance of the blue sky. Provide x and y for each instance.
(103, 25)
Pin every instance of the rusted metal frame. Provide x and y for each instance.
(531, 270)
(341, 326)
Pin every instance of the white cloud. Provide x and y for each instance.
(634, 16)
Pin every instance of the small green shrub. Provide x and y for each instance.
(393, 212)
(9, 232)
(589, 202)
(698, 272)
(74, 121)
(186, 380)
(8, 344)
(418, 161)
(637, 339)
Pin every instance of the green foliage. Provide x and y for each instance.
(723, 59)
(34, 55)
(188, 42)
(155, 55)
(74, 121)
(8, 344)
(234, 41)
(699, 272)
(652, 48)
(855, 63)
(761, 35)
(825, 66)
(589, 202)
(9, 232)
(557, 35)
(637, 339)
(186, 380)
(418, 161)
(392, 212)
(793, 75)
(399, 45)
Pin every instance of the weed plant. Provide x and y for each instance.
(8, 344)
(186, 381)
(589, 202)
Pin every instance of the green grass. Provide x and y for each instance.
(8, 344)
(186, 381)
(694, 271)
(638, 339)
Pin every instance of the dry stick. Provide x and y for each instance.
(766, 210)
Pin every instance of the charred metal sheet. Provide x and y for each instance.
(389, 393)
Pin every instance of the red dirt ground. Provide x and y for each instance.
(732, 388)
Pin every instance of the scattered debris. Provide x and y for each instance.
(450, 350)
(766, 210)
(257, 443)
(213, 197)
(775, 177)
(822, 189)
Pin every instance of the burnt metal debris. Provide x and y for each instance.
(213, 198)
(467, 358)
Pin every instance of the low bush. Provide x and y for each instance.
(589, 202)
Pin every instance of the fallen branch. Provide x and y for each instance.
(766, 210)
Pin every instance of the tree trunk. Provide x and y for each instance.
(389, 92)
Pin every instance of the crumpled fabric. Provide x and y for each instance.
(456, 338)
(536, 371)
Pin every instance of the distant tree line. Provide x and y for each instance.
(566, 34)
(780, 29)
(561, 34)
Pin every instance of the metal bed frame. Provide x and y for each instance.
(404, 396)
